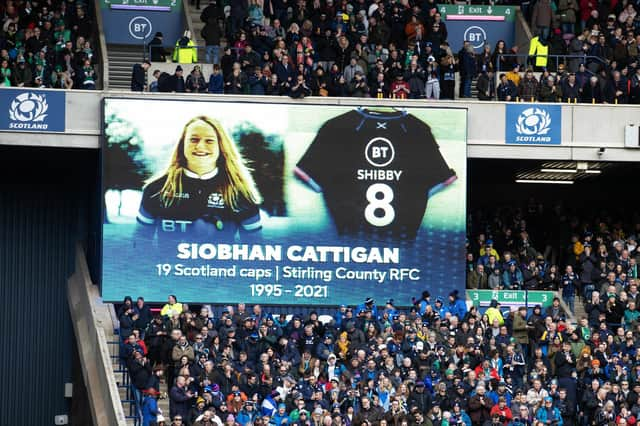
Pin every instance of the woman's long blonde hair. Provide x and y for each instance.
(237, 186)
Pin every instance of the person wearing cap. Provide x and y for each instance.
(488, 250)
(480, 406)
(247, 413)
(368, 304)
(548, 414)
(281, 416)
(157, 52)
(22, 76)
(420, 397)
(176, 82)
(457, 306)
(185, 51)
(197, 411)
(150, 409)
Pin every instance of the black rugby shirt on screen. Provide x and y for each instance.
(197, 212)
(376, 170)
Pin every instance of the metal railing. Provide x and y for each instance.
(201, 51)
(95, 361)
(527, 60)
(133, 397)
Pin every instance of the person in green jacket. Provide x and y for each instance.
(631, 315)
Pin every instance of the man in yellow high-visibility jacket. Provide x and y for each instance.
(539, 48)
(185, 51)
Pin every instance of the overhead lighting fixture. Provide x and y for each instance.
(558, 170)
(593, 172)
(548, 181)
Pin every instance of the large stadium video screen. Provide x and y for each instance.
(227, 202)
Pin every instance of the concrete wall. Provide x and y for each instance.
(85, 306)
(585, 128)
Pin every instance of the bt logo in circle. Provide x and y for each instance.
(476, 36)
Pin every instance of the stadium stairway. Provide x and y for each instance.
(474, 88)
(578, 308)
(121, 59)
(128, 395)
(195, 25)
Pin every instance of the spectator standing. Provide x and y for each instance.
(212, 16)
(592, 92)
(380, 88)
(320, 83)
(528, 89)
(236, 83)
(177, 83)
(350, 70)
(432, 86)
(180, 399)
(548, 90)
(569, 89)
(5, 73)
(195, 81)
(570, 283)
(400, 88)
(416, 78)
(257, 82)
(539, 50)
(87, 76)
(467, 60)
(157, 52)
(486, 86)
(22, 74)
(542, 18)
(164, 82)
(139, 76)
(448, 71)
(358, 87)
(150, 409)
(185, 51)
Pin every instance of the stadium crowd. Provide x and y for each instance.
(400, 49)
(47, 44)
(437, 363)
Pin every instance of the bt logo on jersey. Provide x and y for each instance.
(379, 152)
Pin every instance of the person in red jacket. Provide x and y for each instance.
(501, 408)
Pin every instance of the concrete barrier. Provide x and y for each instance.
(585, 128)
(97, 370)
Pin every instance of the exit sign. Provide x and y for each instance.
(458, 12)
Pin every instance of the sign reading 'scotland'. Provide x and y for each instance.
(32, 110)
(529, 124)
